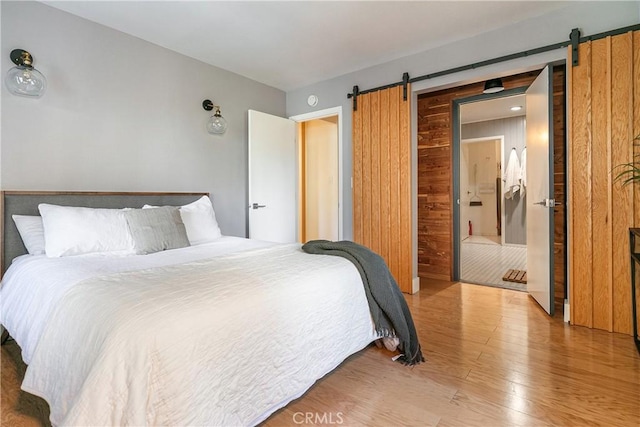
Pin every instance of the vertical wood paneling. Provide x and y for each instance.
(365, 107)
(434, 212)
(374, 191)
(356, 177)
(394, 178)
(382, 180)
(569, 193)
(621, 152)
(636, 120)
(601, 182)
(385, 187)
(559, 183)
(406, 261)
(604, 107)
(581, 248)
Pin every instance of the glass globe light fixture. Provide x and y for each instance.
(23, 79)
(216, 125)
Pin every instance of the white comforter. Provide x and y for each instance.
(220, 341)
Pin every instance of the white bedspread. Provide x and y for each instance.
(220, 341)
(33, 285)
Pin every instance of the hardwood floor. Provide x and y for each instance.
(493, 359)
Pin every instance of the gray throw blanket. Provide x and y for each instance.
(389, 310)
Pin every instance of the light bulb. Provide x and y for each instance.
(25, 81)
(217, 125)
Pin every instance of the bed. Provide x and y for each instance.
(220, 333)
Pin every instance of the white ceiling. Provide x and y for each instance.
(292, 44)
(497, 108)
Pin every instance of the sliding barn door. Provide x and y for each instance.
(604, 102)
(382, 179)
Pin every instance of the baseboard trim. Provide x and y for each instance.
(567, 311)
(415, 285)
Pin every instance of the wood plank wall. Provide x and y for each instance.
(382, 179)
(435, 194)
(604, 99)
(560, 184)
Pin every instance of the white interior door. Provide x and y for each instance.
(273, 171)
(539, 190)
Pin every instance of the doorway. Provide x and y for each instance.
(276, 181)
(493, 223)
(528, 184)
(436, 213)
(319, 194)
(318, 204)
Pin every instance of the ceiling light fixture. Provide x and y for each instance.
(23, 79)
(216, 125)
(493, 86)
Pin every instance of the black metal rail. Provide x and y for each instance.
(574, 41)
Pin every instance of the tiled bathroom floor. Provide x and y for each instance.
(484, 261)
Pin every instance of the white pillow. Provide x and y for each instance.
(200, 221)
(31, 231)
(75, 231)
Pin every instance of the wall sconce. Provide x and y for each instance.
(493, 86)
(23, 79)
(216, 125)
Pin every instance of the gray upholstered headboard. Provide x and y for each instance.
(26, 203)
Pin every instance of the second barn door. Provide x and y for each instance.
(382, 179)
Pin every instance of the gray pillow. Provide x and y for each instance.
(155, 230)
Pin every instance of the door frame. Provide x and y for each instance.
(455, 154)
(321, 114)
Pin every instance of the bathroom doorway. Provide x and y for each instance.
(492, 209)
(480, 206)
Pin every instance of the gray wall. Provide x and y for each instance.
(121, 114)
(514, 132)
(590, 17)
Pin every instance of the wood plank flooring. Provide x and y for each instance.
(494, 358)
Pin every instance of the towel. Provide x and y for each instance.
(523, 172)
(512, 175)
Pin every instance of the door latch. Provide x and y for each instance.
(547, 203)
